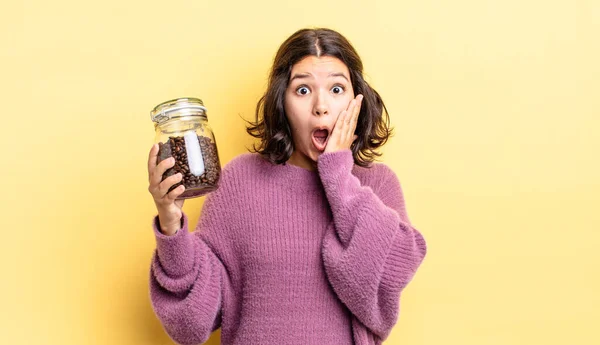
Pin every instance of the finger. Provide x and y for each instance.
(179, 203)
(152, 158)
(350, 111)
(336, 125)
(345, 134)
(349, 126)
(356, 113)
(174, 194)
(339, 124)
(335, 132)
(165, 185)
(160, 169)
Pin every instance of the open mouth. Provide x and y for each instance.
(319, 138)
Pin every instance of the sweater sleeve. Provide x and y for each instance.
(187, 280)
(371, 251)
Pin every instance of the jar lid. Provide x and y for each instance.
(185, 106)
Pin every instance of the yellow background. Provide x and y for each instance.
(495, 105)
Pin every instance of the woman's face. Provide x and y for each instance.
(319, 90)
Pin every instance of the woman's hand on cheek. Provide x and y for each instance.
(342, 135)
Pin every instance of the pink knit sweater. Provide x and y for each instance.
(284, 255)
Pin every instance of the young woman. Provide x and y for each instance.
(307, 239)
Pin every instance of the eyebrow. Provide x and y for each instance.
(307, 75)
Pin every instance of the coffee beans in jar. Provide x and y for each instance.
(183, 132)
(195, 184)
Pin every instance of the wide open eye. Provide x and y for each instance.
(302, 90)
(338, 89)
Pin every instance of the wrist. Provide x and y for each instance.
(170, 228)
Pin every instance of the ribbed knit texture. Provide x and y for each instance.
(282, 255)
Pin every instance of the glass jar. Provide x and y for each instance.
(183, 132)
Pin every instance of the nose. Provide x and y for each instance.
(320, 107)
(319, 111)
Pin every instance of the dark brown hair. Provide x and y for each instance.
(271, 125)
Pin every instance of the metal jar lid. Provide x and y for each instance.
(186, 106)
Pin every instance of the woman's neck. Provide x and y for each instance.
(300, 160)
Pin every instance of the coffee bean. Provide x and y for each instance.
(194, 185)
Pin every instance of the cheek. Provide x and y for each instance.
(297, 125)
(291, 114)
(349, 97)
(343, 104)
(296, 116)
(299, 128)
(292, 106)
